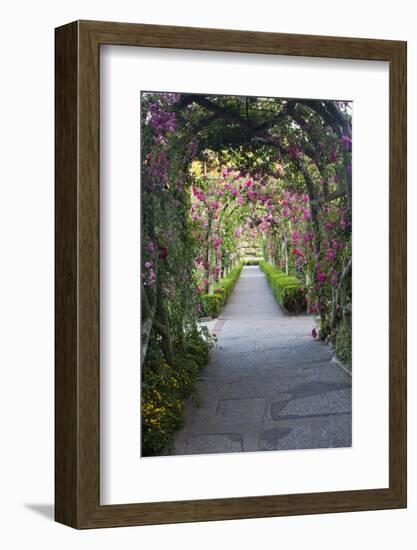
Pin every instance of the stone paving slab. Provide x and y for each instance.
(320, 404)
(335, 431)
(210, 443)
(258, 386)
(284, 438)
(286, 327)
(269, 385)
(269, 349)
(272, 363)
(240, 410)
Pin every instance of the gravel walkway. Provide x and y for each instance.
(269, 385)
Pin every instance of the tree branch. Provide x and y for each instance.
(329, 198)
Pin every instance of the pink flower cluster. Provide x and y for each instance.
(160, 120)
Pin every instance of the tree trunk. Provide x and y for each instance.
(161, 323)
(148, 315)
(286, 256)
(208, 258)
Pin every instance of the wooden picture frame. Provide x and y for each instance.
(77, 405)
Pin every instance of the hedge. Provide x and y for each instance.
(287, 290)
(214, 302)
(252, 261)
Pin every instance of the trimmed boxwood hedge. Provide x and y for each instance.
(214, 302)
(288, 290)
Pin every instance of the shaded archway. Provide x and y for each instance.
(215, 167)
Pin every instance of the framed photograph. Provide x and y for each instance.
(230, 274)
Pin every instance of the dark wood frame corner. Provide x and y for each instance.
(77, 403)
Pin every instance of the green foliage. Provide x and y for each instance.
(214, 302)
(294, 299)
(252, 261)
(287, 290)
(164, 390)
(161, 406)
(209, 189)
(343, 343)
(324, 328)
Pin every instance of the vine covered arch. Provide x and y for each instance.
(219, 171)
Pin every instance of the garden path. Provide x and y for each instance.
(268, 385)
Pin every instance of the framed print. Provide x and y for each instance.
(230, 274)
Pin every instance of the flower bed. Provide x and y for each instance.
(165, 388)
